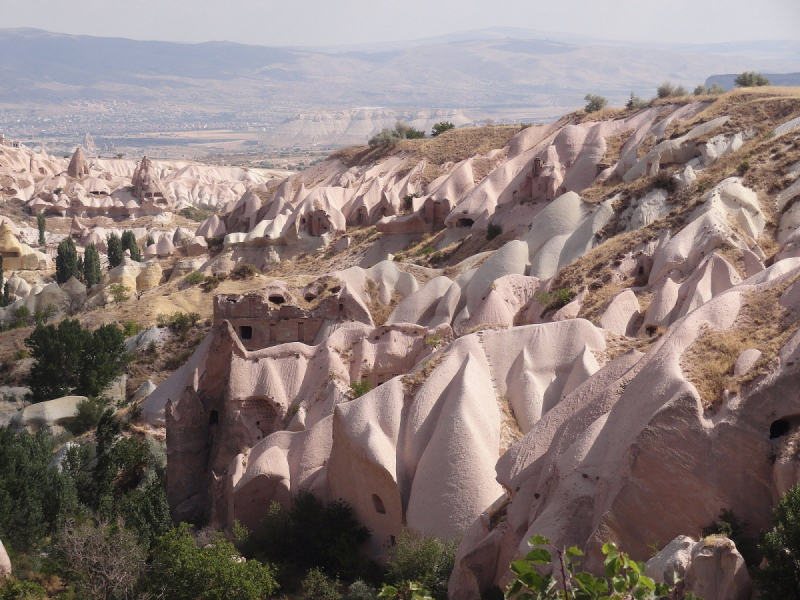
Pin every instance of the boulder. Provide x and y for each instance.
(48, 413)
(197, 246)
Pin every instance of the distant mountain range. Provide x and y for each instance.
(511, 74)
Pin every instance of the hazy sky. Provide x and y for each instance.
(329, 22)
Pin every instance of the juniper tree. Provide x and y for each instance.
(115, 251)
(66, 261)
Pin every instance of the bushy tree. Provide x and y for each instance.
(407, 132)
(594, 103)
(318, 586)
(33, 498)
(102, 560)
(67, 261)
(72, 360)
(91, 266)
(182, 571)
(716, 89)
(441, 128)
(425, 560)
(149, 241)
(313, 534)
(700, 90)
(41, 223)
(385, 137)
(129, 243)
(115, 251)
(665, 90)
(780, 578)
(751, 79)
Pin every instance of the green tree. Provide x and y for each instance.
(182, 571)
(594, 103)
(14, 589)
(115, 251)
(665, 90)
(425, 560)
(716, 89)
(33, 498)
(91, 266)
(314, 534)
(41, 223)
(129, 243)
(751, 79)
(149, 241)
(700, 90)
(780, 578)
(67, 261)
(119, 292)
(636, 103)
(441, 128)
(6, 294)
(72, 360)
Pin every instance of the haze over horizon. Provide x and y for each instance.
(353, 22)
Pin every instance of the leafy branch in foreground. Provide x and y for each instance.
(624, 578)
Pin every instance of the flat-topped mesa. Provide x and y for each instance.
(269, 316)
(78, 167)
(147, 186)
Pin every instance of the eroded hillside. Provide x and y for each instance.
(492, 333)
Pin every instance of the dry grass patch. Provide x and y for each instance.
(614, 145)
(414, 380)
(762, 324)
(510, 433)
(451, 146)
(380, 312)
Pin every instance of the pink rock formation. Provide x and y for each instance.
(78, 167)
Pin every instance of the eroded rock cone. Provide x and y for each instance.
(78, 167)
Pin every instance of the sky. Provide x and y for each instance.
(346, 22)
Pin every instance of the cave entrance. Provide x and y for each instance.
(465, 223)
(246, 332)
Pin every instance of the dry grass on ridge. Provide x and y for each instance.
(762, 324)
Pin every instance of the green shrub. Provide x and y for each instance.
(20, 354)
(21, 317)
(245, 271)
(385, 137)
(318, 586)
(425, 560)
(408, 590)
(361, 387)
(14, 589)
(700, 90)
(433, 341)
(195, 214)
(441, 127)
(131, 328)
(88, 416)
(41, 223)
(178, 322)
(194, 278)
(556, 299)
(624, 578)
(636, 103)
(729, 525)
(492, 231)
(663, 180)
(751, 79)
(211, 283)
(182, 571)
(780, 578)
(359, 590)
(119, 292)
(594, 103)
(743, 168)
(427, 250)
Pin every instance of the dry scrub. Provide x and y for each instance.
(762, 324)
